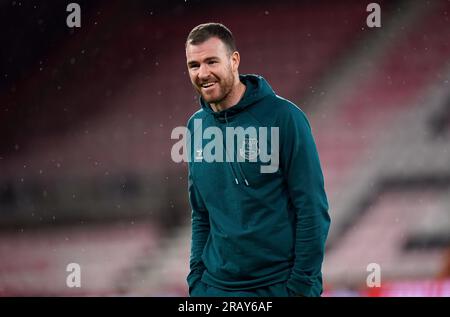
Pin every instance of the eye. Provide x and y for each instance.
(212, 62)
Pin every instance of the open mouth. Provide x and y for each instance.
(207, 86)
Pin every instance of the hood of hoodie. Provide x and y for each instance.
(256, 89)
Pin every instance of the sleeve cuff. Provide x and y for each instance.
(193, 278)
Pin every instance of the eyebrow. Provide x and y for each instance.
(190, 63)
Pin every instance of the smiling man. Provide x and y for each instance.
(213, 66)
(253, 233)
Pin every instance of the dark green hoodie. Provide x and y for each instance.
(253, 229)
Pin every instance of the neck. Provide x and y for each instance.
(232, 99)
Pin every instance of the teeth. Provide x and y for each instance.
(207, 85)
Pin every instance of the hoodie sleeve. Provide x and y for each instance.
(300, 164)
(200, 233)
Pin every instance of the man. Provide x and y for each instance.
(253, 233)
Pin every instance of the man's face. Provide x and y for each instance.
(211, 69)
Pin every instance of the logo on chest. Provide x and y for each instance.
(199, 154)
(249, 149)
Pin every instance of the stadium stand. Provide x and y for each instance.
(87, 175)
(34, 262)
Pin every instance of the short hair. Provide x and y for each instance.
(205, 31)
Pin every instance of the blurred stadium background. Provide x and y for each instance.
(86, 116)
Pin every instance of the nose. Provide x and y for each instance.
(203, 71)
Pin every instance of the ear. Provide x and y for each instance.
(235, 60)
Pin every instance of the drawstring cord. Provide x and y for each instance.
(242, 173)
(228, 156)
